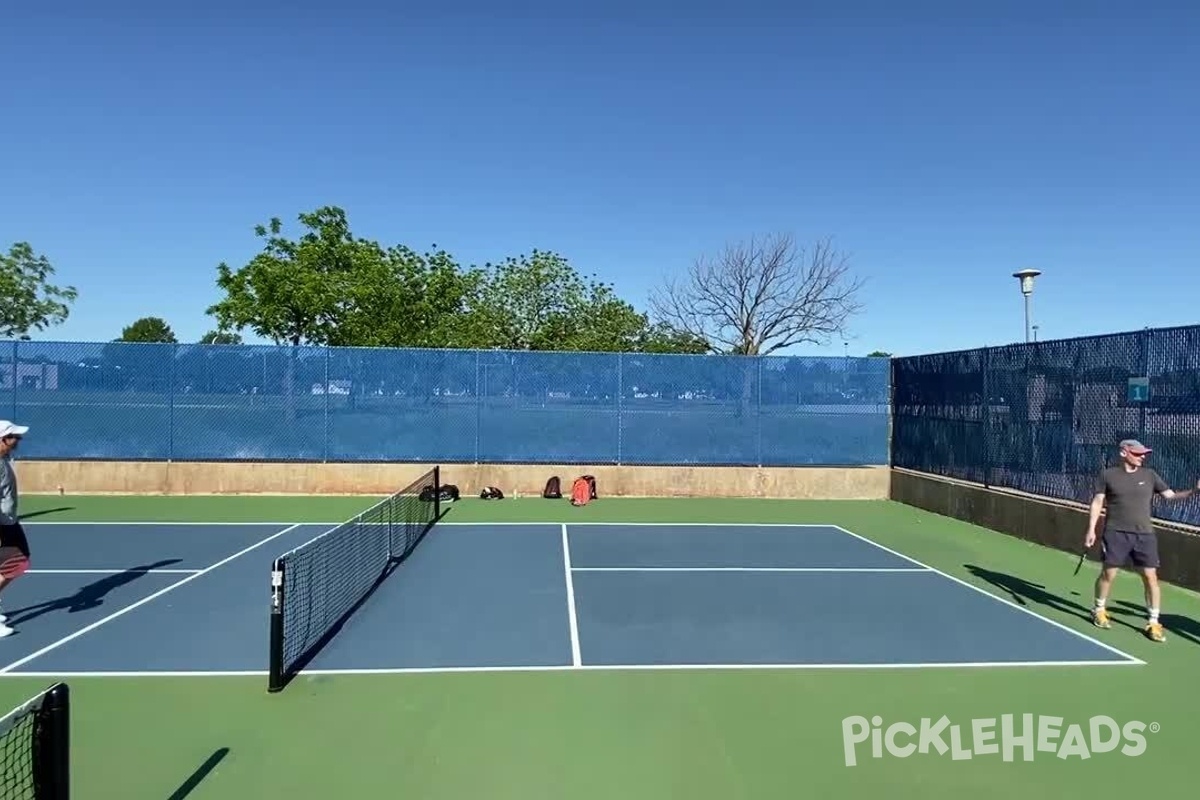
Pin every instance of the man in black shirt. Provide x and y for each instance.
(1128, 490)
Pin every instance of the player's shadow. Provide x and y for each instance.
(89, 596)
(1183, 627)
(1024, 593)
(187, 787)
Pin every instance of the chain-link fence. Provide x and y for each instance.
(1046, 417)
(265, 403)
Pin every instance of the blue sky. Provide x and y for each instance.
(941, 145)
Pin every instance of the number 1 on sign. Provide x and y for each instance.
(1139, 390)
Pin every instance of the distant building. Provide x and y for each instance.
(29, 376)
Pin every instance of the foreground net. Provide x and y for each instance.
(318, 585)
(35, 748)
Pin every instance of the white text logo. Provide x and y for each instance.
(1006, 736)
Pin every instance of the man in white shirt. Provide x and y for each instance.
(14, 547)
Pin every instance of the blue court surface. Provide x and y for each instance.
(193, 598)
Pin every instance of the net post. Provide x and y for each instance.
(52, 753)
(275, 681)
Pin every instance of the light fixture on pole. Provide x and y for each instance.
(1026, 277)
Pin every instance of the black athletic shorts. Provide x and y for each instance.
(14, 551)
(1122, 548)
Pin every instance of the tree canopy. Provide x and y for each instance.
(330, 287)
(31, 301)
(148, 329)
(220, 337)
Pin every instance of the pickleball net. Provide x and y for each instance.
(35, 749)
(317, 586)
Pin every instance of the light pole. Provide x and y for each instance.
(1026, 277)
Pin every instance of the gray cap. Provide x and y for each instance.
(1135, 447)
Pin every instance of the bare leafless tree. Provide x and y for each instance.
(760, 296)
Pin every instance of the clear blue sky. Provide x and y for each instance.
(942, 145)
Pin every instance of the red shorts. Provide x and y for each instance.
(14, 551)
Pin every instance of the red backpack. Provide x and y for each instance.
(581, 492)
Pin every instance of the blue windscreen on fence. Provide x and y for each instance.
(264, 403)
(1046, 417)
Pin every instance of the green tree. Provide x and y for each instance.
(148, 329)
(661, 338)
(540, 302)
(878, 354)
(408, 299)
(31, 302)
(220, 337)
(295, 291)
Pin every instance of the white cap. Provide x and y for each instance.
(12, 429)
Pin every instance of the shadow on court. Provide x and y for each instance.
(45, 511)
(196, 778)
(1184, 627)
(88, 597)
(1025, 593)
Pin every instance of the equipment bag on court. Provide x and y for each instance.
(591, 482)
(553, 490)
(446, 493)
(583, 490)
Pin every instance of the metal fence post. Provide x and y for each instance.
(1144, 361)
(986, 416)
(620, 407)
(758, 411)
(325, 436)
(172, 353)
(478, 404)
(13, 377)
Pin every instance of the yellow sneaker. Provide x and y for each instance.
(1100, 618)
(1154, 632)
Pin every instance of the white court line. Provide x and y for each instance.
(143, 601)
(997, 598)
(595, 523)
(573, 668)
(165, 523)
(112, 571)
(576, 660)
(750, 569)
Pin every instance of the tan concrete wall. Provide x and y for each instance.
(1052, 523)
(96, 477)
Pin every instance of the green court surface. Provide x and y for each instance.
(587, 735)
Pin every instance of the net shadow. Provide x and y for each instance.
(203, 771)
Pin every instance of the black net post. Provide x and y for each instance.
(275, 681)
(52, 745)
